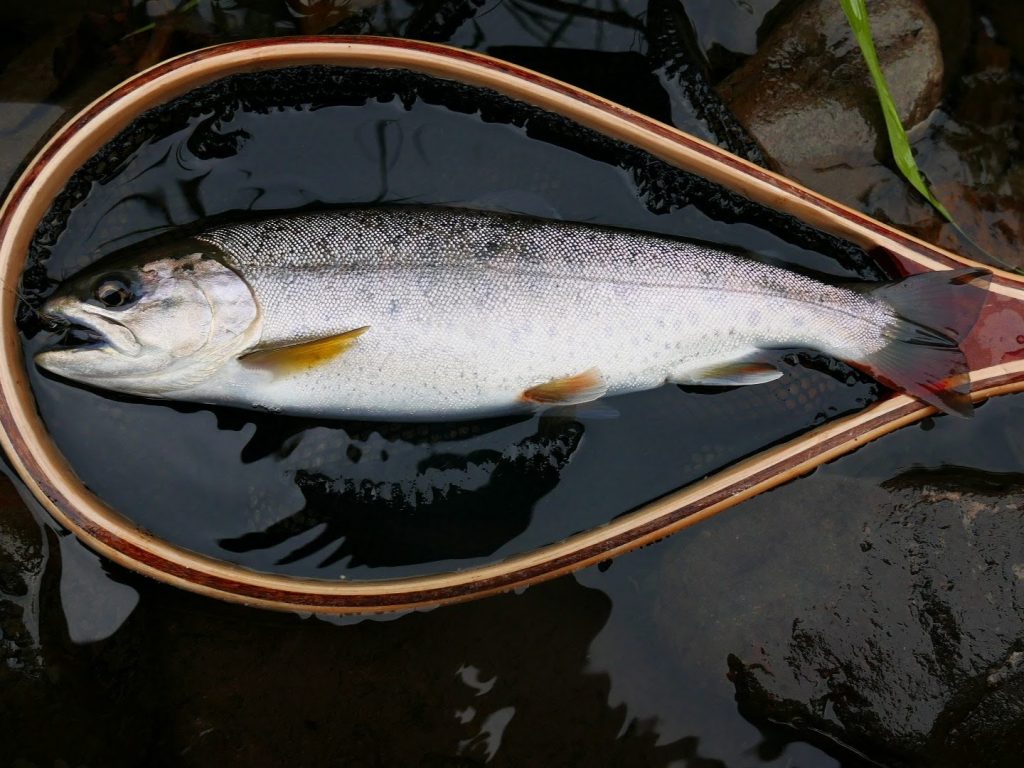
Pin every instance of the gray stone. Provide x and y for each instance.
(806, 96)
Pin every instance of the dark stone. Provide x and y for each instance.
(894, 629)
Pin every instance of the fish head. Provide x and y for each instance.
(153, 326)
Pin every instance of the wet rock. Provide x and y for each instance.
(66, 62)
(806, 95)
(22, 562)
(953, 18)
(894, 629)
(501, 682)
(1007, 20)
(26, 82)
(45, 677)
(975, 158)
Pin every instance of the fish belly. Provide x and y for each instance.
(463, 348)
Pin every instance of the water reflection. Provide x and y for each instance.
(682, 67)
(501, 681)
(437, 505)
(189, 681)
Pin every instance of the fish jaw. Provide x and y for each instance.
(87, 361)
(102, 323)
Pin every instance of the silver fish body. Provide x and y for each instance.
(463, 314)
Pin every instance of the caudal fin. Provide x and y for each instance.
(935, 312)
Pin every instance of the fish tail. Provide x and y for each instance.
(935, 312)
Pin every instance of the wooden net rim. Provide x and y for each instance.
(51, 480)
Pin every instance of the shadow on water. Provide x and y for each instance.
(620, 667)
(456, 505)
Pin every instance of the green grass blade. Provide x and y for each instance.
(186, 6)
(857, 14)
(147, 28)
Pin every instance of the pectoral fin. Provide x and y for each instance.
(734, 374)
(568, 390)
(294, 358)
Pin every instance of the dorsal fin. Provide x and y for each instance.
(301, 356)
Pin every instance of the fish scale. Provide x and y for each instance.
(464, 313)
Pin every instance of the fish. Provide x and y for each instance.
(421, 313)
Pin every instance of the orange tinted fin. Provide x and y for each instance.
(735, 374)
(569, 390)
(295, 358)
(922, 355)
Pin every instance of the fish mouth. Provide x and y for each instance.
(86, 330)
(78, 337)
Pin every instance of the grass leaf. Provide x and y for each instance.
(184, 7)
(857, 15)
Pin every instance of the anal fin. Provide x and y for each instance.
(732, 374)
(567, 390)
(295, 358)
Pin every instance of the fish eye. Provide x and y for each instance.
(114, 292)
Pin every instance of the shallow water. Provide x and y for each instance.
(625, 665)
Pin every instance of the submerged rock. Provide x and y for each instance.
(976, 154)
(807, 96)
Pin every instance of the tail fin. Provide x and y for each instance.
(935, 311)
